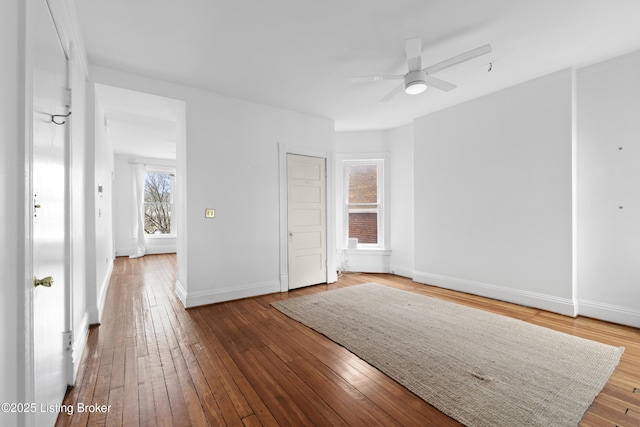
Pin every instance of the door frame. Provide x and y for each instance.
(27, 366)
(283, 150)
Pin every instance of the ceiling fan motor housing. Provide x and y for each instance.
(415, 82)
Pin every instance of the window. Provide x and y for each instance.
(364, 203)
(158, 203)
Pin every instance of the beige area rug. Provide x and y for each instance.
(479, 368)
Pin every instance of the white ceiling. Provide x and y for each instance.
(300, 54)
(140, 125)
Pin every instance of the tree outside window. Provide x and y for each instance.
(158, 203)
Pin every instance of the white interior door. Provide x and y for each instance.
(49, 214)
(306, 220)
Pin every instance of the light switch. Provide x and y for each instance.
(210, 213)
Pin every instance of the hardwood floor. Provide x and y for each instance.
(243, 363)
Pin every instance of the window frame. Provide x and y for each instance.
(172, 182)
(382, 163)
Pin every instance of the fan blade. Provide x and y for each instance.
(413, 49)
(482, 50)
(393, 93)
(439, 84)
(375, 78)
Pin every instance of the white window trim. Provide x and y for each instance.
(383, 196)
(171, 171)
(353, 210)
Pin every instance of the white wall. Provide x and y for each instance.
(609, 190)
(100, 209)
(125, 242)
(493, 195)
(232, 166)
(11, 202)
(362, 142)
(401, 208)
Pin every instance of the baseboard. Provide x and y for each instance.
(284, 282)
(80, 335)
(94, 315)
(332, 276)
(212, 296)
(164, 249)
(400, 270)
(360, 267)
(551, 303)
(181, 292)
(364, 260)
(95, 312)
(609, 312)
(125, 250)
(102, 296)
(150, 250)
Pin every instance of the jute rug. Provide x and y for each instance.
(479, 368)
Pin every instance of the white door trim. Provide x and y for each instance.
(27, 393)
(331, 217)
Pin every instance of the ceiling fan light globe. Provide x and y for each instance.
(415, 87)
(415, 82)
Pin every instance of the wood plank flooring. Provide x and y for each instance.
(243, 363)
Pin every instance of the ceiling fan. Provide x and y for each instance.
(417, 79)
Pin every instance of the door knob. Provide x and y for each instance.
(46, 282)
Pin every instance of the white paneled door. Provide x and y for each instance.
(306, 220)
(49, 215)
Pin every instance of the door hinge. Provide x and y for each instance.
(67, 337)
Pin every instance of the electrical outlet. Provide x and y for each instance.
(210, 213)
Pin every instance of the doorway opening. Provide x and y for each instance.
(146, 133)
